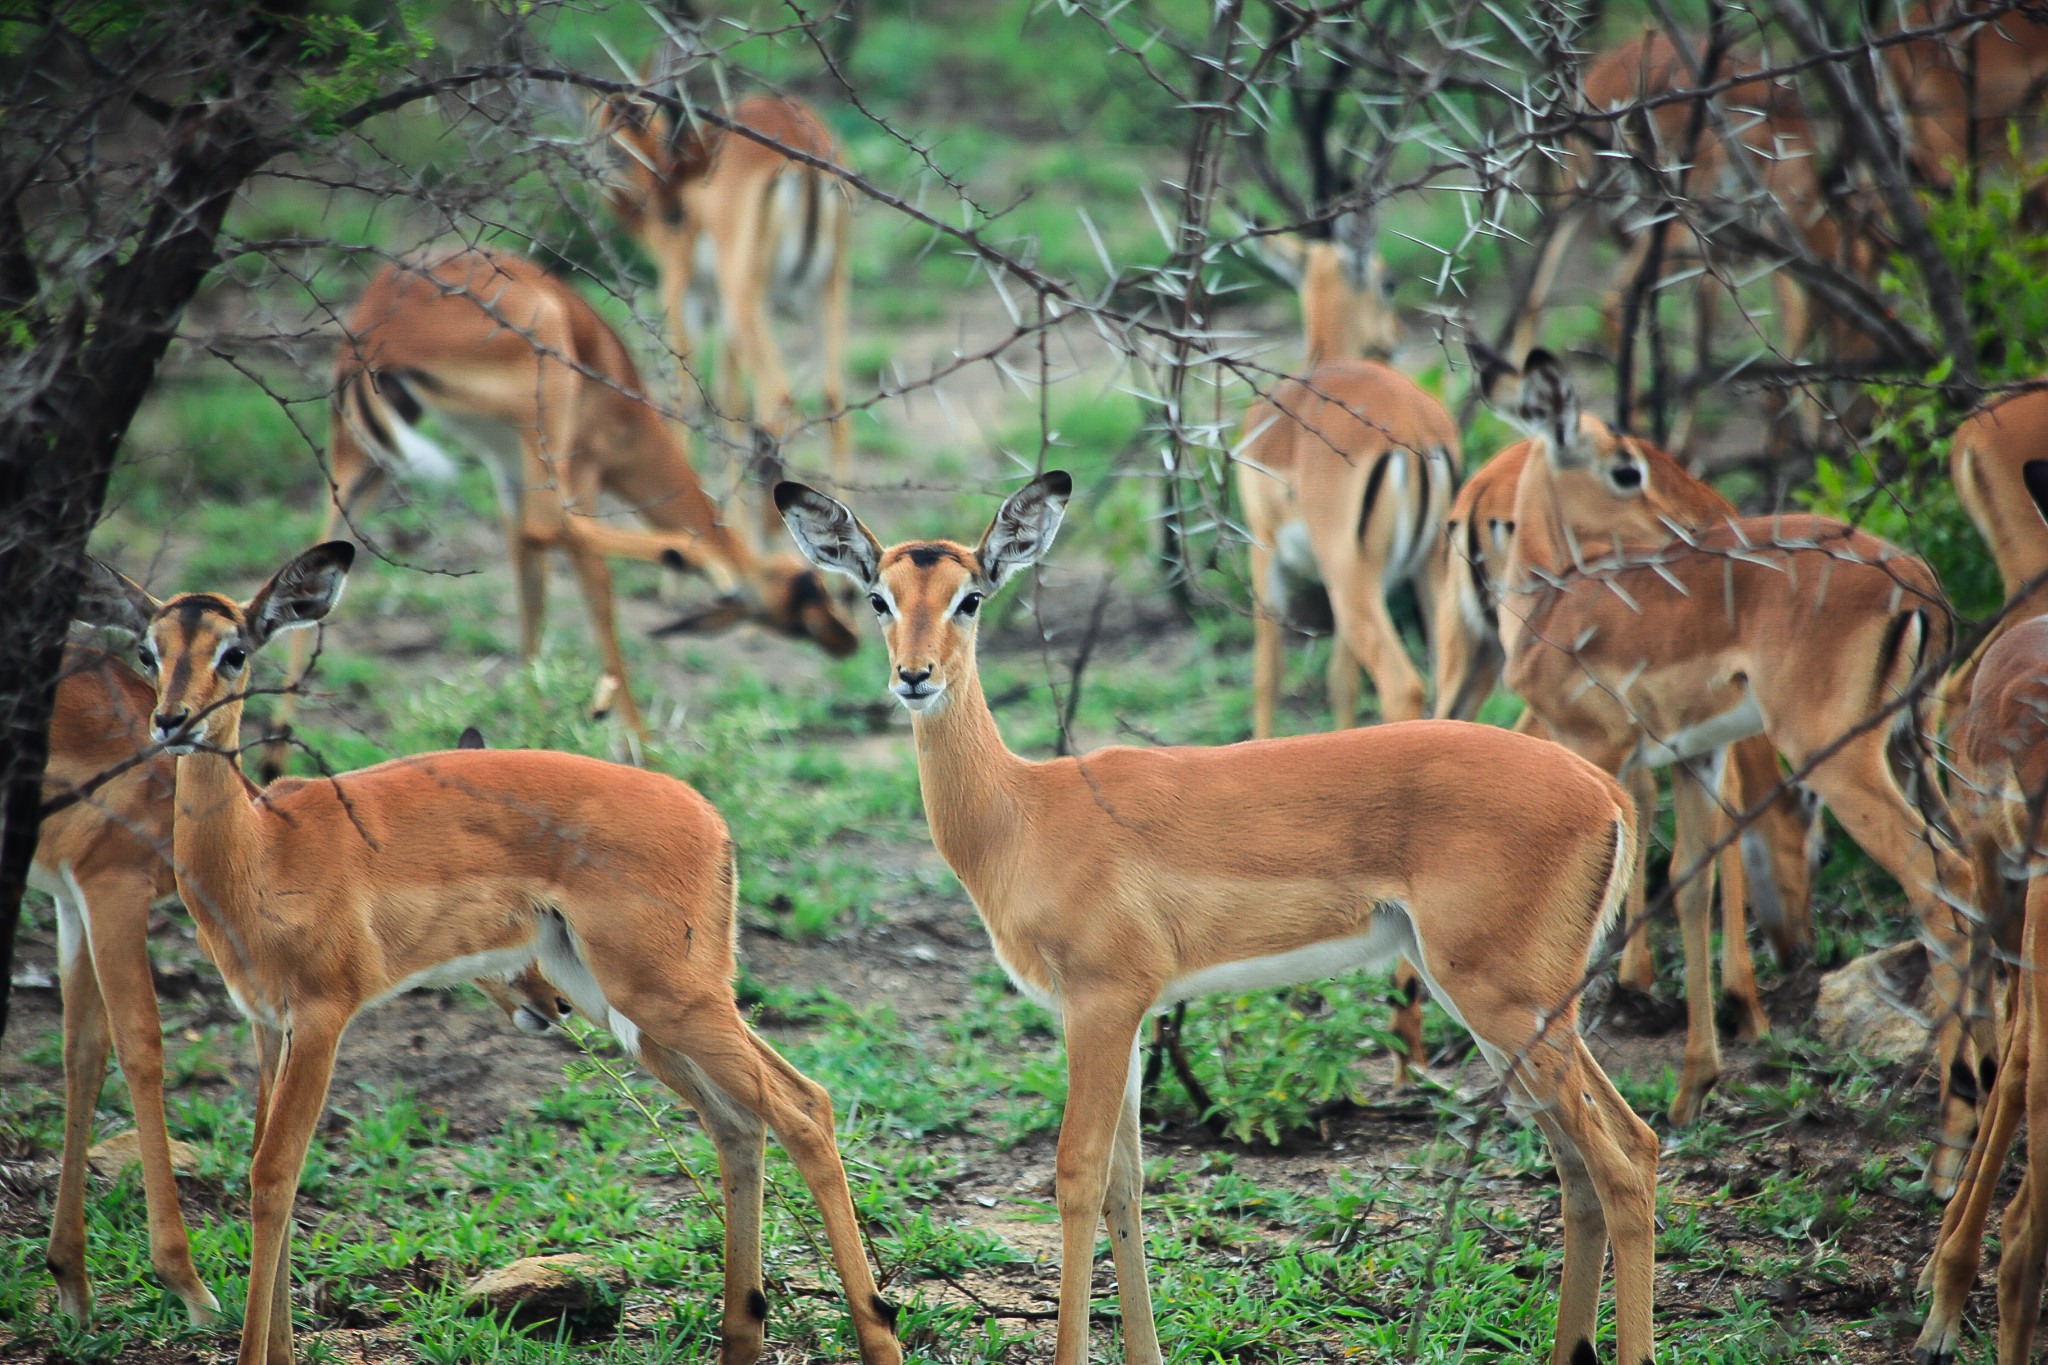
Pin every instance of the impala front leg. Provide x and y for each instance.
(297, 1097)
(1099, 1051)
(1123, 1208)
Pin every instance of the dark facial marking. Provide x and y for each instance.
(757, 1305)
(925, 556)
(1987, 1072)
(1961, 1084)
(804, 590)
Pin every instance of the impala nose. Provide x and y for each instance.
(169, 723)
(913, 677)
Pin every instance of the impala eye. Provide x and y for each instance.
(879, 603)
(148, 658)
(232, 659)
(969, 604)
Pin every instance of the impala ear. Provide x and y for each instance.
(1548, 406)
(829, 535)
(1357, 238)
(1500, 383)
(300, 593)
(1024, 526)
(1282, 253)
(471, 738)
(109, 598)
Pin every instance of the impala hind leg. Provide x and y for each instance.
(594, 577)
(1698, 823)
(2026, 1221)
(1741, 1004)
(1637, 970)
(799, 1112)
(1269, 647)
(740, 1137)
(1406, 1024)
(1857, 784)
(1366, 629)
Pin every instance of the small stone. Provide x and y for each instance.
(546, 1288)
(109, 1158)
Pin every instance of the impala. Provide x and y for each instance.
(737, 228)
(318, 898)
(1771, 865)
(2001, 799)
(105, 858)
(1999, 462)
(1794, 627)
(1960, 89)
(1118, 883)
(527, 371)
(1345, 472)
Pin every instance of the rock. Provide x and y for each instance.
(545, 1288)
(1878, 1005)
(109, 1158)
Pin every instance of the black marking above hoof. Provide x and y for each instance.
(757, 1305)
(1922, 1356)
(1987, 1073)
(1582, 1354)
(884, 1310)
(1962, 1085)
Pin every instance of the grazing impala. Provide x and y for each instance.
(736, 228)
(318, 898)
(1960, 89)
(1345, 471)
(1118, 883)
(1794, 627)
(524, 367)
(2001, 802)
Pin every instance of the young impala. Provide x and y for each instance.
(105, 858)
(1999, 462)
(1646, 650)
(2001, 802)
(1771, 866)
(526, 370)
(1345, 471)
(736, 228)
(1118, 883)
(318, 898)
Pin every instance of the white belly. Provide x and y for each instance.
(1737, 723)
(1388, 938)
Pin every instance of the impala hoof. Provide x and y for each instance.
(601, 700)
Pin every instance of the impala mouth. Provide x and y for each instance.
(177, 743)
(919, 698)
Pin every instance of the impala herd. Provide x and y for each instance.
(1769, 663)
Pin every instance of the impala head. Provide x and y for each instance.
(1347, 296)
(786, 596)
(648, 164)
(928, 593)
(1539, 399)
(197, 646)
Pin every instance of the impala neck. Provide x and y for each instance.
(970, 781)
(216, 837)
(1325, 312)
(663, 487)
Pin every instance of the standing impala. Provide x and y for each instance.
(2001, 804)
(1346, 471)
(1116, 884)
(318, 898)
(736, 228)
(1650, 651)
(526, 370)
(1999, 462)
(1771, 866)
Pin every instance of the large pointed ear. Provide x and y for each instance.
(112, 599)
(1024, 527)
(632, 151)
(830, 536)
(1548, 406)
(301, 592)
(1500, 383)
(471, 738)
(1281, 253)
(1357, 238)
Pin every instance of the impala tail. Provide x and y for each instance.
(380, 412)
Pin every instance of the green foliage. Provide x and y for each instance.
(354, 60)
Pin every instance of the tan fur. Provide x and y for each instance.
(1987, 460)
(1105, 879)
(2001, 799)
(1817, 624)
(1962, 89)
(1478, 538)
(1307, 457)
(675, 190)
(495, 338)
(316, 898)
